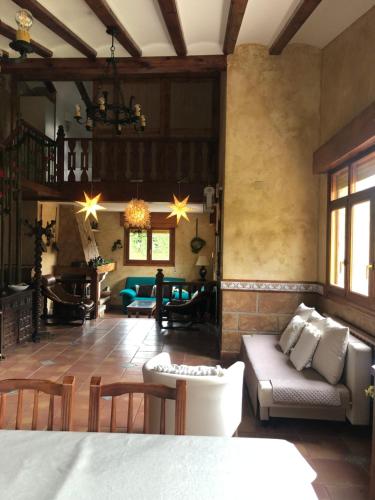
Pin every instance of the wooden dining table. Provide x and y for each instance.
(41, 465)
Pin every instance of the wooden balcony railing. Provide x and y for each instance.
(31, 153)
(131, 158)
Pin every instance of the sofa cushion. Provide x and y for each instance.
(303, 352)
(329, 357)
(291, 334)
(304, 311)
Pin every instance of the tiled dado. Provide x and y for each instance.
(251, 309)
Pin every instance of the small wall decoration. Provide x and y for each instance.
(117, 245)
(197, 243)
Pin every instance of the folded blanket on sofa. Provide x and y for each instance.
(301, 392)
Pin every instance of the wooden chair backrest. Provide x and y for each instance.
(64, 390)
(97, 391)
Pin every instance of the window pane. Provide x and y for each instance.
(160, 245)
(363, 175)
(337, 267)
(340, 184)
(360, 245)
(138, 245)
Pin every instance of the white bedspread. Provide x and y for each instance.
(99, 466)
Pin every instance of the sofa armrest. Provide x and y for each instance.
(129, 292)
(128, 295)
(357, 379)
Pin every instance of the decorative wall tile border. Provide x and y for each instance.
(272, 286)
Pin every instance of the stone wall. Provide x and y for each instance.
(247, 312)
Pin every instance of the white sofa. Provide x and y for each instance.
(310, 395)
(213, 403)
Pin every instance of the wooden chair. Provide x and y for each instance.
(163, 392)
(64, 390)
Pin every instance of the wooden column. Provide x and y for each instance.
(60, 144)
(159, 296)
(37, 310)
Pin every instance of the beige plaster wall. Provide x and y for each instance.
(111, 230)
(348, 87)
(348, 75)
(271, 195)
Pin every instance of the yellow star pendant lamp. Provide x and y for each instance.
(90, 206)
(179, 209)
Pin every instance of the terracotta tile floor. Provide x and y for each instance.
(116, 348)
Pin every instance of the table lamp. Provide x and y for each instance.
(203, 262)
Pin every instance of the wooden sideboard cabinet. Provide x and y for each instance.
(16, 319)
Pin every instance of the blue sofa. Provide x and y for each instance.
(129, 293)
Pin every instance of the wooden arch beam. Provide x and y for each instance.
(300, 15)
(45, 17)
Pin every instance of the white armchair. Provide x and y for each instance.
(213, 403)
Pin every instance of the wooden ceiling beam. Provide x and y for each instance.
(299, 16)
(45, 17)
(235, 17)
(84, 69)
(10, 33)
(172, 20)
(106, 15)
(83, 93)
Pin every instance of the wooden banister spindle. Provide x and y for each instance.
(35, 411)
(19, 410)
(71, 160)
(51, 412)
(113, 413)
(60, 145)
(130, 412)
(84, 160)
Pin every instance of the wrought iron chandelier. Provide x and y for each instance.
(22, 43)
(117, 114)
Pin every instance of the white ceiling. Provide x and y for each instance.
(203, 23)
